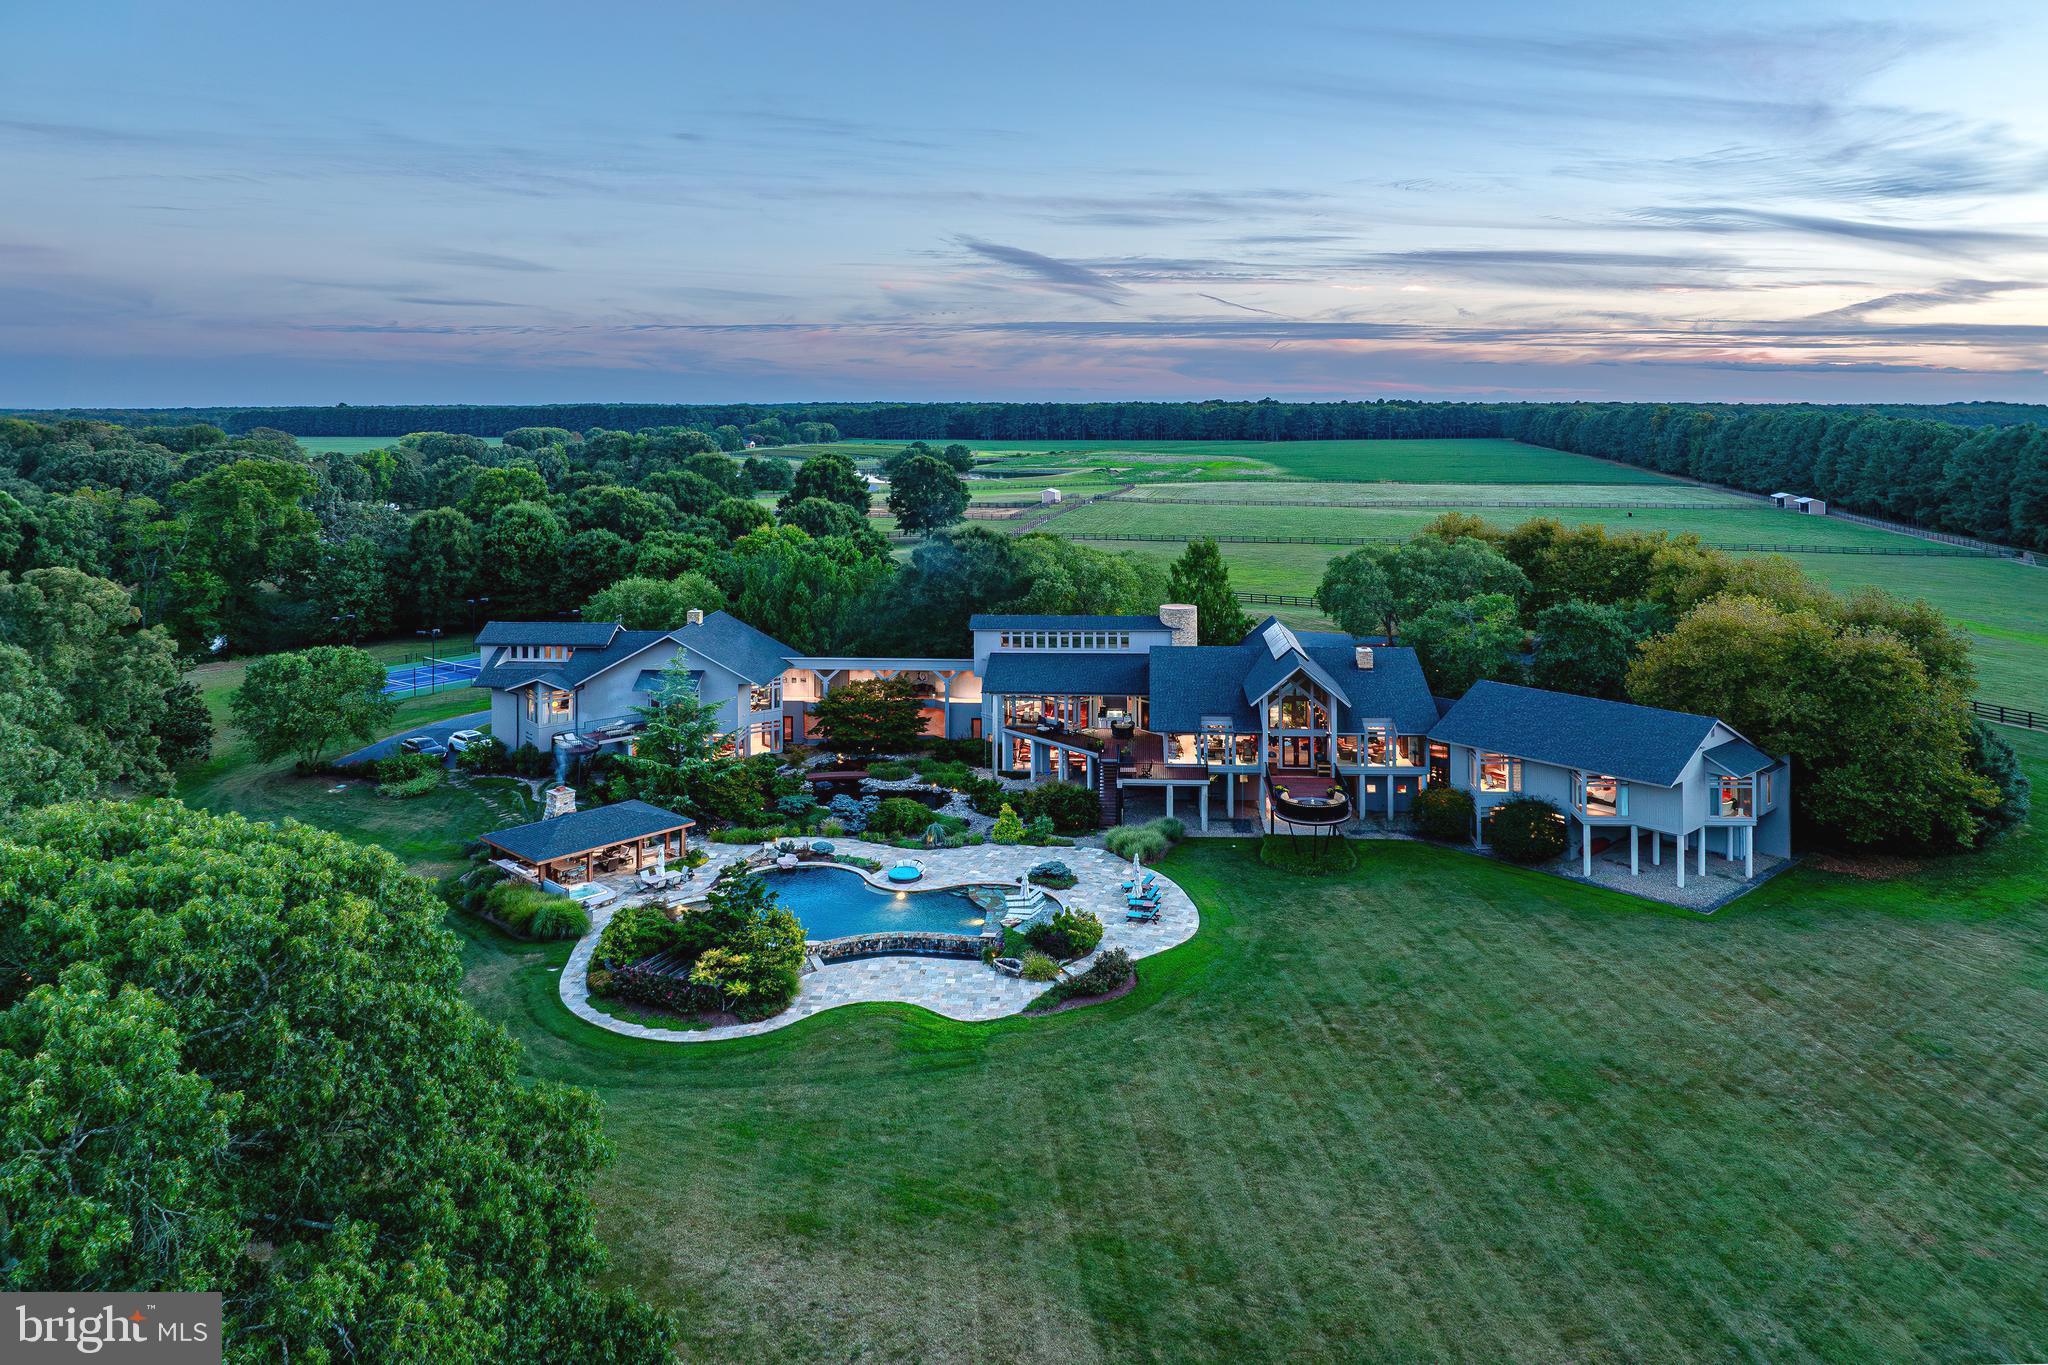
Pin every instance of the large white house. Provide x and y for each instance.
(1283, 729)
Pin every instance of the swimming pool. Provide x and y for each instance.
(835, 903)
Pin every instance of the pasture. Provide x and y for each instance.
(356, 445)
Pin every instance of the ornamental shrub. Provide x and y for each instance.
(899, 817)
(403, 767)
(1040, 830)
(1143, 843)
(407, 788)
(1444, 813)
(853, 812)
(1068, 935)
(1527, 829)
(1009, 829)
(1053, 873)
(985, 794)
(487, 755)
(890, 770)
(558, 917)
(635, 932)
(1172, 826)
(1070, 807)
(1039, 967)
(972, 752)
(1104, 975)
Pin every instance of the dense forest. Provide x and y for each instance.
(1976, 469)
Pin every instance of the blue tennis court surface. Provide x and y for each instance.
(429, 675)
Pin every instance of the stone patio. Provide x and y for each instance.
(957, 988)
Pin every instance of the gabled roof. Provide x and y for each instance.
(1615, 738)
(1194, 683)
(576, 634)
(1191, 685)
(584, 662)
(1275, 669)
(725, 639)
(581, 831)
(1739, 758)
(999, 622)
(1394, 687)
(1055, 672)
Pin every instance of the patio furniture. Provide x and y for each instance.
(1143, 897)
(1144, 914)
(1143, 883)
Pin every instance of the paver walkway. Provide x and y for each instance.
(954, 987)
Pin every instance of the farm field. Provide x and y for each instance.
(356, 445)
(1514, 1117)
(1250, 492)
(1421, 461)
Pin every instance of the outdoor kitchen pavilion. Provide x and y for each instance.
(587, 844)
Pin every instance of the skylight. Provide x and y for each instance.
(1280, 640)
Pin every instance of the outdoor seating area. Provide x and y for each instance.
(582, 847)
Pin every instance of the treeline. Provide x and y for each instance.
(1990, 481)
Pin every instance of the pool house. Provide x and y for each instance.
(577, 849)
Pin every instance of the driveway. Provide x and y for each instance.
(440, 729)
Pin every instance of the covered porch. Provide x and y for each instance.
(585, 846)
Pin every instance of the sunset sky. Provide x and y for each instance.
(404, 203)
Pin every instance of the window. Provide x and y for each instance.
(1735, 798)
(1376, 746)
(1439, 765)
(1408, 751)
(1347, 748)
(533, 703)
(1600, 795)
(764, 738)
(560, 703)
(766, 698)
(1499, 773)
(1770, 800)
(540, 652)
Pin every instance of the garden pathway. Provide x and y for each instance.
(956, 988)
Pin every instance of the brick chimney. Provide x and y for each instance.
(695, 616)
(561, 801)
(1361, 655)
(1180, 619)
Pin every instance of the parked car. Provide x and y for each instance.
(423, 744)
(462, 739)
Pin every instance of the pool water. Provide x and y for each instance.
(834, 903)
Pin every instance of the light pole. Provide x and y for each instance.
(433, 642)
(474, 604)
(351, 618)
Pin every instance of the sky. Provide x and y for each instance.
(443, 202)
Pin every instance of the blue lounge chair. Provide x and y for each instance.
(1146, 912)
(1141, 883)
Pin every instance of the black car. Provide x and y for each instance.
(423, 744)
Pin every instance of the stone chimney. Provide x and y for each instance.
(1180, 619)
(694, 617)
(1362, 656)
(561, 801)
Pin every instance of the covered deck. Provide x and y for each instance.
(582, 846)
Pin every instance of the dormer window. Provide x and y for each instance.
(540, 653)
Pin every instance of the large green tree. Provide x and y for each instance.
(236, 1057)
(1880, 746)
(522, 558)
(870, 716)
(1200, 578)
(926, 495)
(1373, 590)
(654, 603)
(1458, 643)
(440, 565)
(127, 709)
(831, 476)
(303, 703)
(241, 526)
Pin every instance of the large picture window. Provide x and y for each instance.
(1737, 798)
(1499, 773)
(1599, 795)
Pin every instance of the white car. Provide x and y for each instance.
(462, 739)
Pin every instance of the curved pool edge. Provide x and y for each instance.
(955, 988)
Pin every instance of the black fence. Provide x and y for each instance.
(1276, 599)
(2010, 715)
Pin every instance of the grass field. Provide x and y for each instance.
(1435, 1108)
(426, 833)
(356, 445)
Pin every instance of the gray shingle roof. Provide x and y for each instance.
(1195, 683)
(1033, 672)
(597, 633)
(1616, 738)
(999, 622)
(1740, 758)
(1191, 685)
(724, 638)
(567, 673)
(546, 840)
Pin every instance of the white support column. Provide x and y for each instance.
(1681, 860)
(1358, 781)
(1730, 855)
(1635, 851)
(1169, 800)
(1748, 852)
(1585, 849)
(1703, 851)
(1477, 816)
(1656, 848)
(1390, 795)
(1230, 794)
(1205, 808)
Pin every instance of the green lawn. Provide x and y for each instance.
(1435, 1108)
(426, 833)
(1450, 461)
(1332, 494)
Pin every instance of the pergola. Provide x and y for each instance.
(585, 844)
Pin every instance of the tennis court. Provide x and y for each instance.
(428, 675)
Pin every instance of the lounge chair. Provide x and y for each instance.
(1145, 912)
(1143, 883)
(1143, 898)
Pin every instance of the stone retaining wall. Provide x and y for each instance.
(900, 944)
